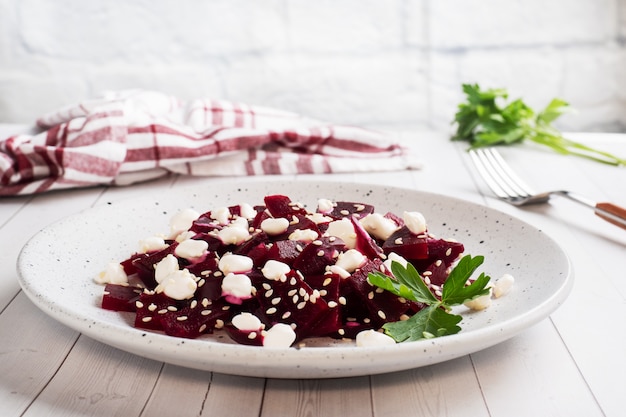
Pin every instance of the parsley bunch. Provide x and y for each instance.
(435, 319)
(482, 121)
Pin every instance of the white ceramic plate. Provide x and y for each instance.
(57, 266)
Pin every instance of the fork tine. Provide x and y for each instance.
(514, 181)
(498, 175)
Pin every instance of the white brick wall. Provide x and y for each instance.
(374, 63)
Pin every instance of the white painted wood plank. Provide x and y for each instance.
(445, 389)
(533, 375)
(96, 379)
(231, 395)
(179, 392)
(32, 348)
(317, 398)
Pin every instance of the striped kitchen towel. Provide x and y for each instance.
(131, 136)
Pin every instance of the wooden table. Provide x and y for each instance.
(570, 364)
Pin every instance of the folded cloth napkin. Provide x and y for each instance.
(130, 136)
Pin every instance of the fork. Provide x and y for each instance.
(507, 186)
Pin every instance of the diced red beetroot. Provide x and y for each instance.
(258, 253)
(245, 337)
(258, 219)
(285, 251)
(204, 224)
(349, 209)
(396, 219)
(350, 329)
(120, 297)
(406, 244)
(290, 302)
(194, 319)
(437, 273)
(381, 305)
(209, 287)
(439, 249)
(128, 264)
(145, 265)
(282, 206)
(150, 309)
(317, 255)
(364, 242)
(328, 287)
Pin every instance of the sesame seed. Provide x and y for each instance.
(317, 242)
(162, 311)
(292, 292)
(295, 298)
(382, 314)
(181, 318)
(205, 312)
(286, 314)
(326, 282)
(438, 262)
(342, 301)
(293, 281)
(398, 241)
(301, 305)
(252, 335)
(323, 293)
(194, 304)
(275, 301)
(427, 273)
(219, 324)
(271, 310)
(379, 290)
(366, 320)
(320, 253)
(332, 304)
(172, 308)
(344, 212)
(218, 273)
(341, 332)
(359, 207)
(201, 282)
(302, 292)
(106, 292)
(449, 252)
(427, 280)
(202, 328)
(269, 293)
(146, 319)
(152, 307)
(225, 308)
(205, 302)
(138, 304)
(299, 248)
(370, 295)
(332, 239)
(205, 273)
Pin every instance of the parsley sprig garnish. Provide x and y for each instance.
(436, 318)
(486, 119)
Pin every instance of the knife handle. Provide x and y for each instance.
(612, 213)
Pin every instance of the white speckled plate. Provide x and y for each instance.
(57, 266)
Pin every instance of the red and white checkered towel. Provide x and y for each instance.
(131, 136)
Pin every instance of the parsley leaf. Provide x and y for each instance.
(486, 119)
(435, 319)
(427, 323)
(455, 291)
